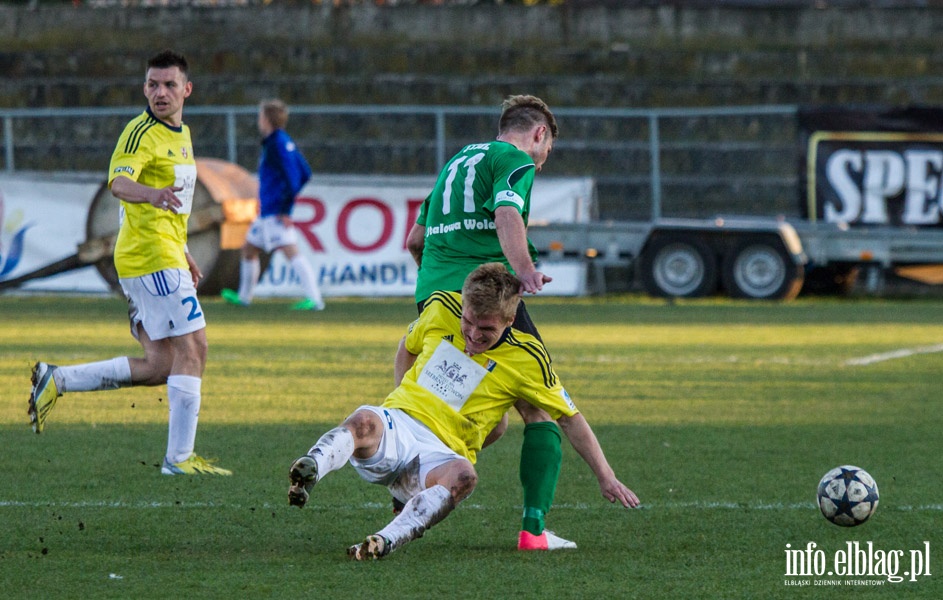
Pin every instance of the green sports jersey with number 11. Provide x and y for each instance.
(459, 213)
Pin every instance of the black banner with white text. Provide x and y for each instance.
(872, 165)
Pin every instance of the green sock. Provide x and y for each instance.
(540, 469)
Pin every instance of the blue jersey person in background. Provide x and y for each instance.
(283, 171)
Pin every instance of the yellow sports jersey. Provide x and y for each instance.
(462, 398)
(157, 155)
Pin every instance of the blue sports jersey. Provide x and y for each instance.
(283, 171)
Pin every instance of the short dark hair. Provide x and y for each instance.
(167, 59)
(523, 112)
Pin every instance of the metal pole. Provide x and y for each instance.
(231, 136)
(439, 139)
(8, 142)
(654, 149)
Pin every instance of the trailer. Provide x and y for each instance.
(741, 257)
(870, 199)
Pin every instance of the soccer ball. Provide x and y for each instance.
(847, 496)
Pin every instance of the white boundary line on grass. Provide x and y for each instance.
(893, 354)
(466, 506)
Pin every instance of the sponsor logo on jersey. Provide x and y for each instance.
(446, 228)
(466, 224)
(451, 375)
(128, 170)
(452, 371)
(472, 224)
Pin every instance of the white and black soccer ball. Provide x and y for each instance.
(847, 496)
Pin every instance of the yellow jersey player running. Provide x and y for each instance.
(153, 173)
(468, 367)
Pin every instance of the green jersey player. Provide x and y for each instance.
(478, 212)
(458, 217)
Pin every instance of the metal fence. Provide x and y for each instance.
(695, 162)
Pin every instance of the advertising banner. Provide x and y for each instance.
(872, 165)
(352, 229)
(42, 222)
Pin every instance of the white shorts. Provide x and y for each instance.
(408, 451)
(270, 234)
(164, 303)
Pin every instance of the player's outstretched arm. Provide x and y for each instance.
(512, 234)
(584, 441)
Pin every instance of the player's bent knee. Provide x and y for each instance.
(364, 425)
(459, 477)
(466, 484)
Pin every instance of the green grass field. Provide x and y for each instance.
(721, 416)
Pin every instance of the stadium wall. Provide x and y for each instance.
(651, 55)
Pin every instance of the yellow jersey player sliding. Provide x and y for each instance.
(464, 367)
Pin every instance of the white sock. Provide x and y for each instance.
(249, 271)
(104, 375)
(183, 399)
(424, 510)
(308, 280)
(333, 450)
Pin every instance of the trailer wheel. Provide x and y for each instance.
(760, 269)
(679, 267)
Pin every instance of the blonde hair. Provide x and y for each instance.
(276, 113)
(491, 290)
(522, 113)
